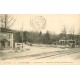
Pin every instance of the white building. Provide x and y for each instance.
(6, 38)
(66, 41)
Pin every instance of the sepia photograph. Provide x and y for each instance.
(40, 39)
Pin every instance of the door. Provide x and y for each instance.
(3, 44)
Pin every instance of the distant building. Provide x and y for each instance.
(67, 41)
(6, 38)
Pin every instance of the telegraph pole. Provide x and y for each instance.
(22, 36)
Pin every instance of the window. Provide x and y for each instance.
(8, 43)
(9, 36)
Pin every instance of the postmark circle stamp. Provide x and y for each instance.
(38, 22)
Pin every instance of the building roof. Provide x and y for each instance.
(5, 30)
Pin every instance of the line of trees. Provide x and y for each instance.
(46, 38)
(34, 37)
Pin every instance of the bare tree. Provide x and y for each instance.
(64, 32)
(72, 32)
(6, 21)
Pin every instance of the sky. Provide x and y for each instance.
(54, 22)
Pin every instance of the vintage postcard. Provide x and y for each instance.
(40, 39)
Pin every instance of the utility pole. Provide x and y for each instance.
(22, 36)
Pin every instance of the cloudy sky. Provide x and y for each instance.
(54, 22)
